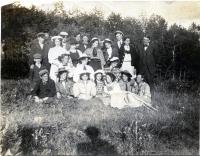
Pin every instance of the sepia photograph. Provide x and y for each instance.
(100, 78)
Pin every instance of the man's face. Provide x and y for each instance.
(41, 39)
(37, 60)
(146, 41)
(85, 39)
(45, 77)
(118, 36)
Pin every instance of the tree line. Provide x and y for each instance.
(178, 51)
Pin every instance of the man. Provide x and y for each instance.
(119, 39)
(147, 61)
(84, 44)
(39, 46)
(45, 89)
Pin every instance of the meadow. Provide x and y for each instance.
(73, 127)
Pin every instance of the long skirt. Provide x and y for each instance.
(95, 64)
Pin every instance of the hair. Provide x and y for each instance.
(61, 57)
(60, 73)
(129, 78)
(126, 38)
(112, 76)
(88, 74)
(92, 42)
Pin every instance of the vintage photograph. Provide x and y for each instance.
(100, 77)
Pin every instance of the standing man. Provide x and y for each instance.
(119, 36)
(147, 61)
(39, 46)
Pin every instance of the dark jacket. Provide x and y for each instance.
(82, 48)
(134, 56)
(34, 73)
(35, 48)
(47, 90)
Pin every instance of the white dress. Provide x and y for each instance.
(53, 55)
(126, 65)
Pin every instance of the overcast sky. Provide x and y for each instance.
(181, 12)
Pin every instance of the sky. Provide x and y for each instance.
(180, 12)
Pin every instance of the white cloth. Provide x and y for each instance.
(84, 90)
(109, 51)
(79, 68)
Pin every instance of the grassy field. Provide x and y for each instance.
(71, 127)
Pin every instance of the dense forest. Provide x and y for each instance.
(178, 51)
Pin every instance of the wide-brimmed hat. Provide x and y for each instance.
(63, 33)
(94, 39)
(56, 37)
(43, 71)
(37, 56)
(114, 59)
(119, 32)
(107, 40)
(41, 34)
(84, 71)
(126, 72)
(83, 56)
(99, 71)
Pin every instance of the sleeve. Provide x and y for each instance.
(76, 90)
(35, 90)
(52, 92)
(93, 89)
(50, 56)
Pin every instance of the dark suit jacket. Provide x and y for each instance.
(147, 62)
(114, 53)
(115, 45)
(134, 56)
(35, 48)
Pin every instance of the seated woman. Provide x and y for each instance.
(64, 85)
(99, 81)
(45, 89)
(125, 83)
(84, 89)
(82, 65)
(34, 70)
(97, 60)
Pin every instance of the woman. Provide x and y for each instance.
(96, 55)
(128, 57)
(84, 89)
(82, 65)
(53, 55)
(99, 82)
(109, 51)
(64, 85)
(74, 52)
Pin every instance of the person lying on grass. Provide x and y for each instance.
(84, 88)
(64, 86)
(34, 70)
(45, 89)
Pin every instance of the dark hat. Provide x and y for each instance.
(127, 73)
(43, 71)
(107, 40)
(119, 32)
(41, 34)
(113, 77)
(37, 56)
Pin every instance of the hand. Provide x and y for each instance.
(32, 66)
(58, 95)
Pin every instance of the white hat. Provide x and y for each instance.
(83, 56)
(56, 37)
(113, 59)
(99, 71)
(64, 33)
(94, 39)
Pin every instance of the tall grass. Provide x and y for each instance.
(59, 128)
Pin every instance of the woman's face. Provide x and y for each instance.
(127, 41)
(125, 77)
(139, 78)
(73, 46)
(84, 61)
(57, 42)
(108, 79)
(84, 77)
(63, 76)
(95, 44)
(65, 60)
(107, 45)
(99, 76)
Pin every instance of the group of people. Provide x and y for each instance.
(76, 67)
